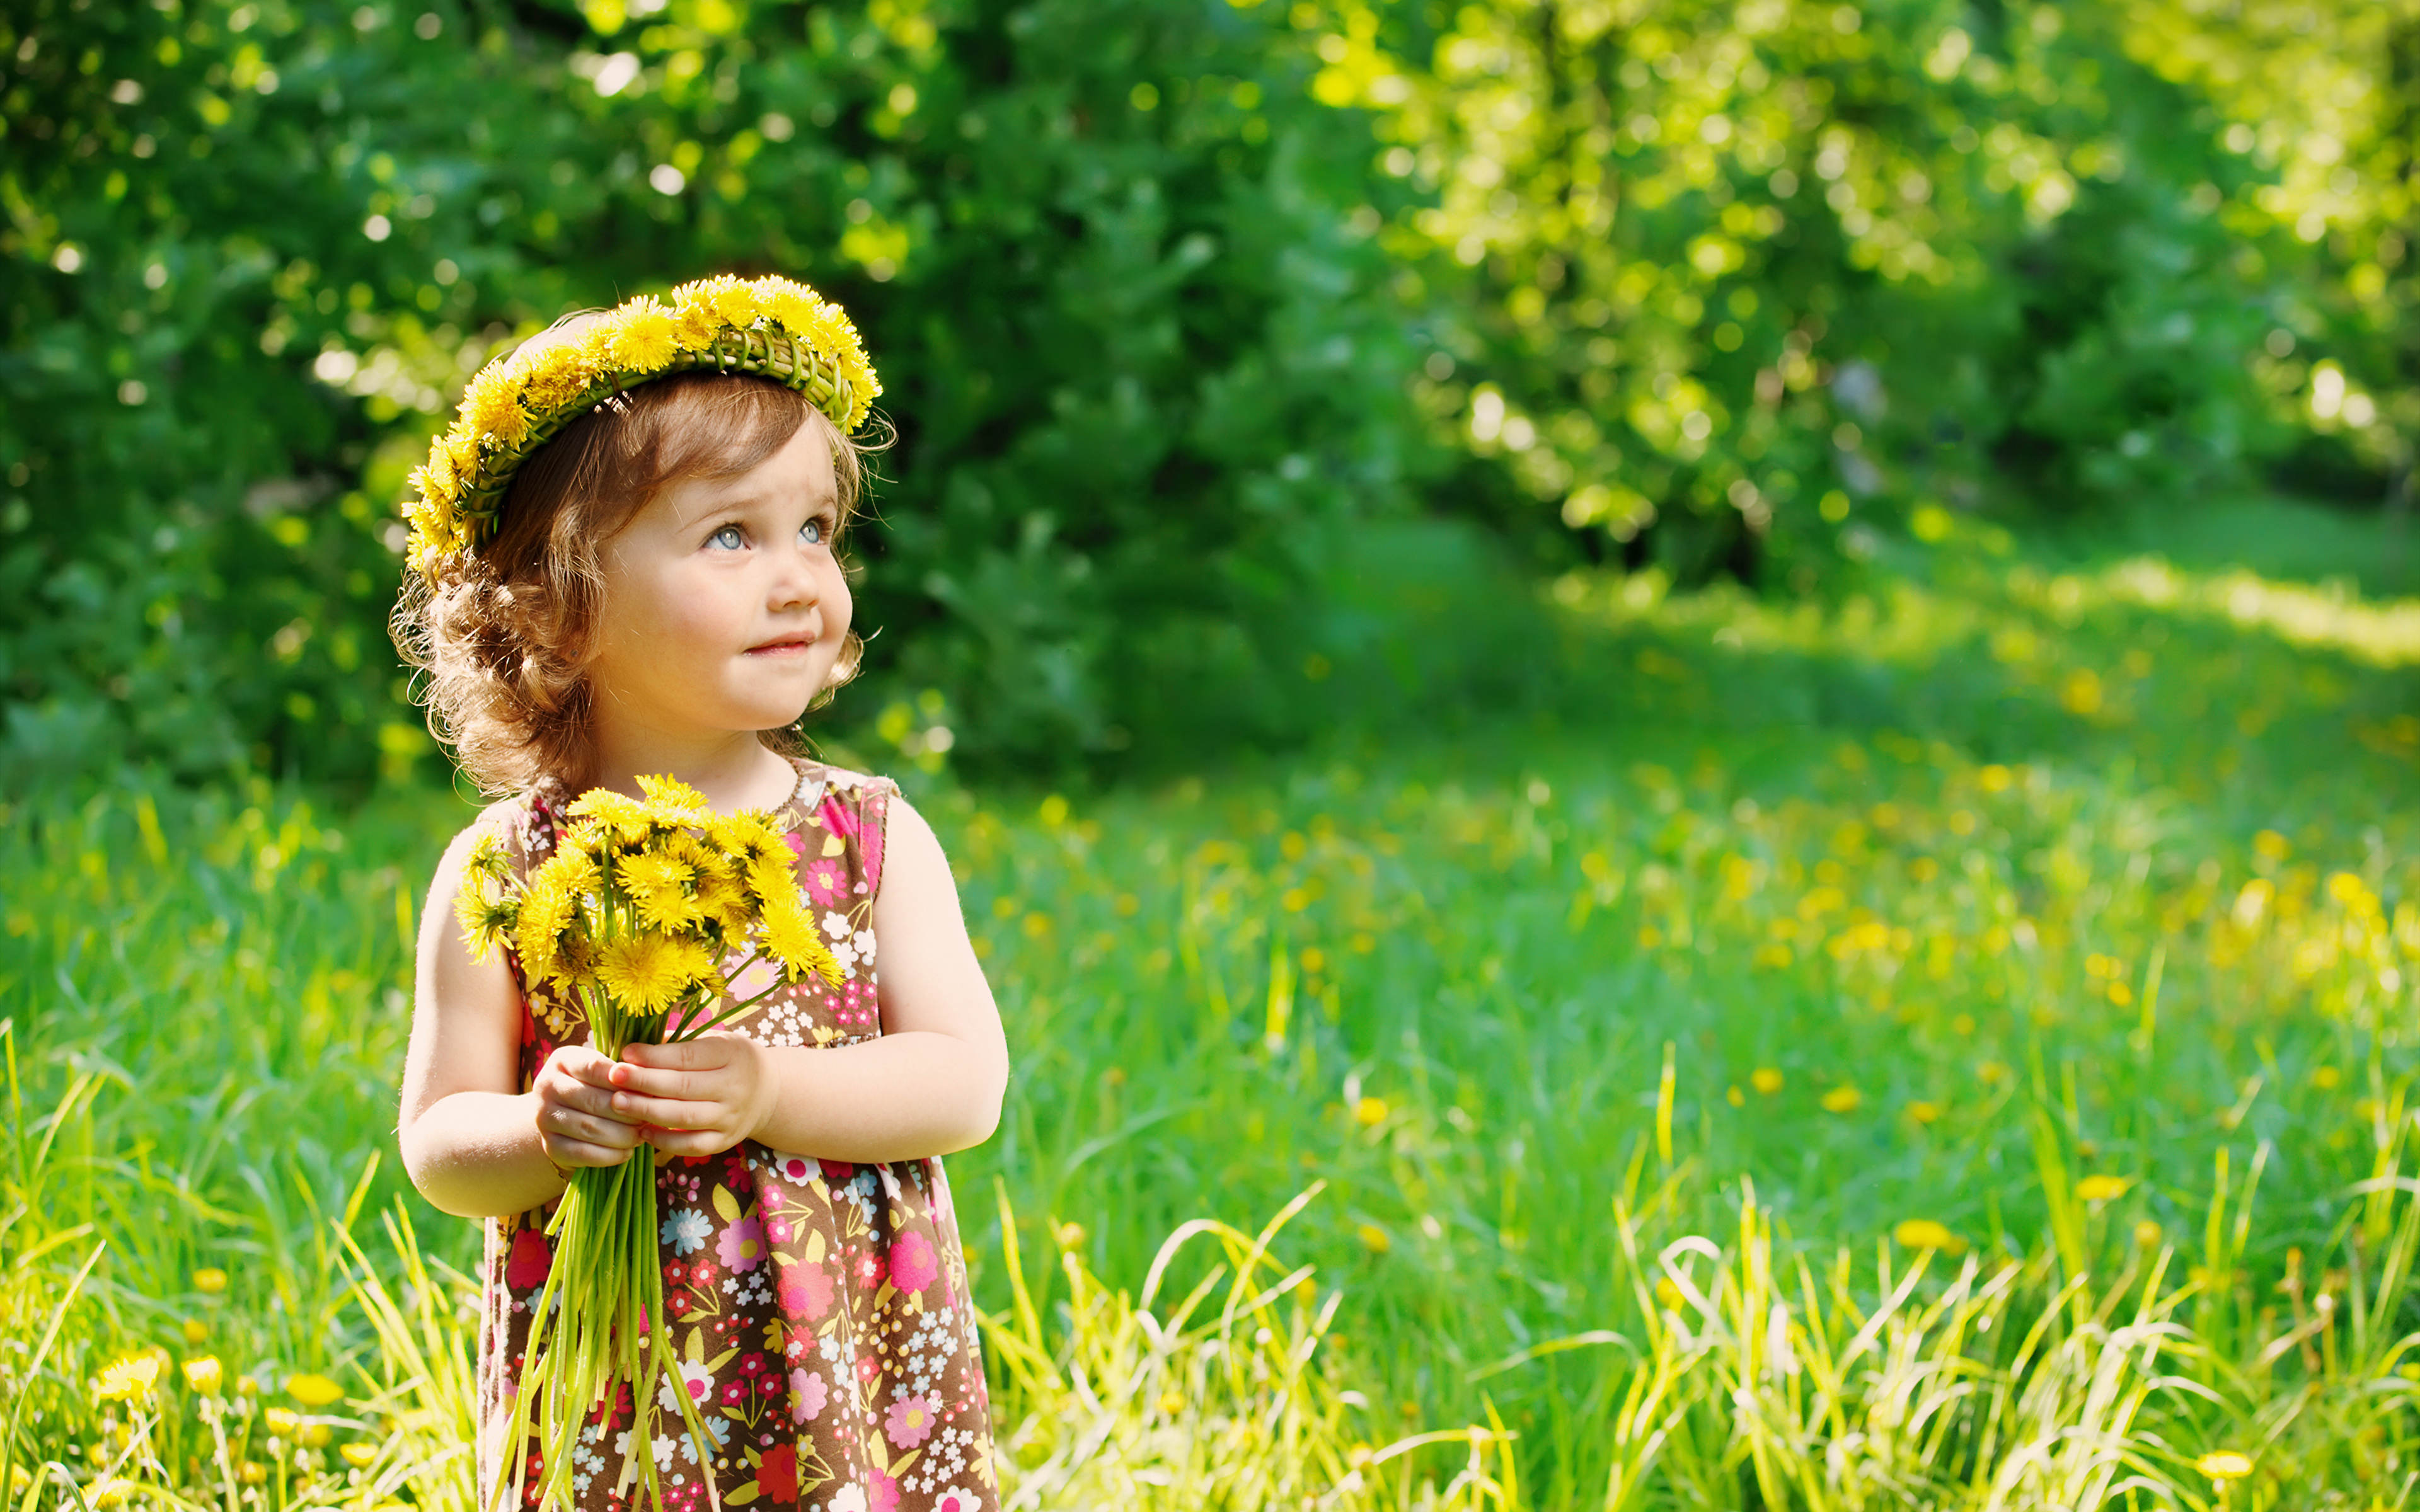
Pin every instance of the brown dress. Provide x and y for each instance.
(819, 1308)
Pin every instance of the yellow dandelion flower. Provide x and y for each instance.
(433, 493)
(487, 858)
(487, 917)
(115, 1490)
(313, 1390)
(491, 405)
(2224, 1464)
(129, 1378)
(794, 306)
(1765, 1079)
(738, 303)
(1376, 1240)
(556, 373)
(721, 899)
(619, 810)
(546, 909)
(790, 934)
(643, 337)
(2098, 1188)
(674, 801)
(1925, 1233)
(1842, 1100)
(205, 1375)
(359, 1455)
(648, 872)
(747, 834)
(1370, 1112)
(209, 1279)
(439, 477)
(649, 972)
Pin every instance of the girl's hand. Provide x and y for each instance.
(698, 1096)
(576, 1121)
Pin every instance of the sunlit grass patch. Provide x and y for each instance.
(1681, 1091)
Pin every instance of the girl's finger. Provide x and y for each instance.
(567, 1124)
(575, 1152)
(691, 1142)
(685, 1085)
(673, 1114)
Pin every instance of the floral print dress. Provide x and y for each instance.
(819, 1308)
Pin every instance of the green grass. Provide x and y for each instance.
(2061, 916)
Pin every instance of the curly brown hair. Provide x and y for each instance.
(504, 636)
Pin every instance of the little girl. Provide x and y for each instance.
(624, 562)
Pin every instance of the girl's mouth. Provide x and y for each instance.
(779, 648)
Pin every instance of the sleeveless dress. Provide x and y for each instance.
(818, 1309)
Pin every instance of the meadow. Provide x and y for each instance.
(1946, 1046)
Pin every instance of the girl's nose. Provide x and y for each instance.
(795, 587)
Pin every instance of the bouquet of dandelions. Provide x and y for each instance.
(645, 915)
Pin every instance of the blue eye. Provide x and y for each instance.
(811, 533)
(728, 538)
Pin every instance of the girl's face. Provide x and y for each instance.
(724, 609)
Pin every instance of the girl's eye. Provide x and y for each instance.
(811, 533)
(729, 538)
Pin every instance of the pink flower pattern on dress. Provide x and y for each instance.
(796, 1309)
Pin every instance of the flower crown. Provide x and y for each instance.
(770, 326)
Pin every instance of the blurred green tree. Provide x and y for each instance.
(1105, 255)
(1713, 278)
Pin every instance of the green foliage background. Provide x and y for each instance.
(1222, 341)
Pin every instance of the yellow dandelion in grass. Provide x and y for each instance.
(129, 1378)
(115, 1490)
(1842, 1100)
(1765, 1079)
(359, 1455)
(1925, 1233)
(1370, 1112)
(2100, 1188)
(282, 1421)
(205, 1375)
(2223, 1465)
(1924, 1112)
(195, 1331)
(313, 1390)
(644, 338)
(649, 972)
(210, 1279)
(2147, 1235)
(790, 934)
(2326, 1078)
(1376, 1240)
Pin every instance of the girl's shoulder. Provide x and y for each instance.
(841, 779)
(513, 822)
